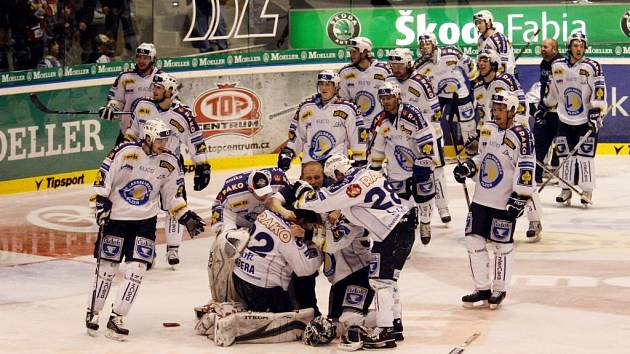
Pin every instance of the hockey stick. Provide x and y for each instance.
(461, 348)
(529, 42)
(559, 168)
(581, 193)
(94, 326)
(451, 114)
(40, 106)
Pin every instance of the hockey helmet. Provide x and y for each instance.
(361, 43)
(577, 36)
(401, 56)
(427, 37)
(156, 129)
(389, 89)
(328, 76)
(484, 15)
(147, 49)
(507, 98)
(259, 182)
(337, 162)
(167, 81)
(490, 54)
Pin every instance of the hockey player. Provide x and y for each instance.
(578, 88)
(129, 86)
(325, 124)
(503, 171)
(129, 184)
(416, 89)
(490, 38)
(406, 139)
(165, 107)
(361, 79)
(366, 199)
(450, 71)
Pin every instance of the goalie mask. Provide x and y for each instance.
(318, 331)
(259, 183)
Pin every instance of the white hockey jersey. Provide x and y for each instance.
(576, 89)
(502, 82)
(364, 197)
(449, 71)
(499, 43)
(321, 131)
(129, 86)
(181, 120)
(235, 206)
(133, 181)
(418, 92)
(272, 254)
(401, 139)
(346, 250)
(505, 164)
(361, 87)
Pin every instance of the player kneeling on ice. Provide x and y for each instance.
(261, 278)
(503, 172)
(365, 198)
(128, 188)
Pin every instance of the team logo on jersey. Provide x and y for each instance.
(353, 190)
(322, 144)
(342, 26)
(355, 296)
(526, 177)
(329, 264)
(143, 249)
(339, 231)
(491, 171)
(449, 85)
(112, 247)
(136, 192)
(500, 230)
(625, 23)
(228, 109)
(405, 157)
(364, 135)
(216, 217)
(573, 101)
(366, 102)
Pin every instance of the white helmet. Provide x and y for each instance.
(337, 162)
(328, 76)
(147, 49)
(156, 129)
(577, 36)
(484, 15)
(490, 54)
(167, 81)
(427, 37)
(259, 181)
(389, 89)
(362, 43)
(401, 56)
(507, 98)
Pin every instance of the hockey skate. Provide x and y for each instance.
(564, 197)
(398, 330)
(172, 255)
(468, 301)
(425, 233)
(115, 329)
(380, 338)
(352, 340)
(586, 199)
(91, 323)
(496, 299)
(533, 233)
(445, 215)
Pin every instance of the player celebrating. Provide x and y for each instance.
(406, 139)
(578, 87)
(450, 71)
(165, 107)
(503, 172)
(324, 125)
(361, 79)
(129, 184)
(129, 86)
(490, 38)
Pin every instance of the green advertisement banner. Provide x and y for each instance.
(606, 25)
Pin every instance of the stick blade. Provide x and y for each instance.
(38, 104)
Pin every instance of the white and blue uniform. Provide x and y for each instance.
(128, 87)
(483, 92)
(361, 87)
(499, 43)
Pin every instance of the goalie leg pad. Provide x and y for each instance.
(129, 287)
(220, 272)
(209, 313)
(503, 259)
(479, 261)
(106, 273)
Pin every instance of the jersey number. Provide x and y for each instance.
(380, 195)
(266, 247)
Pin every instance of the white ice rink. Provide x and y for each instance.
(570, 292)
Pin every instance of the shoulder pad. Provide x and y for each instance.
(451, 51)
(348, 103)
(234, 184)
(500, 41)
(383, 65)
(188, 116)
(137, 101)
(524, 137)
(345, 68)
(594, 65)
(510, 80)
(424, 82)
(122, 146)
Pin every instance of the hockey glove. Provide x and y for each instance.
(299, 188)
(463, 170)
(107, 112)
(202, 176)
(594, 119)
(472, 145)
(540, 116)
(193, 222)
(422, 169)
(103, 209)
(516, 205)
(284, 158)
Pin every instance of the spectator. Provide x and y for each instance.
(104, 50)
(50, 60)
(203, 12)
(119, 11)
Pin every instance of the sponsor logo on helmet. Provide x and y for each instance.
(342, 26)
